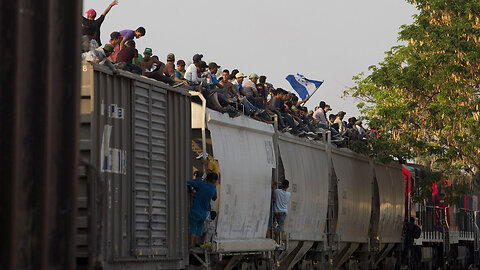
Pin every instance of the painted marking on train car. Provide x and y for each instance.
(113, 160)
(116, 112)
(270, 155)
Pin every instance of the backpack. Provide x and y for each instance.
(416, 232)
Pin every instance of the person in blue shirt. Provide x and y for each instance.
(206, 192)
(212, 71)
(280, 211)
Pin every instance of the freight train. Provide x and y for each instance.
(139, 140)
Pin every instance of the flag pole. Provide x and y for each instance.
(309, 96)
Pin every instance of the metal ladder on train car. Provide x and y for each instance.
(445, 234)
(332, 193)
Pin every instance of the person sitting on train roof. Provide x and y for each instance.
(280, 211)
(298, 112)
(249, 108)
(233, 74)
(206, 192)
(212, 71)
(262, 90)
(125, 57)
(180, 71)
(250, 91)
(351, 122)
(153, 68)
(115, 39)
(339, 121)
(307, 120)
(359, 128)
(191, 74)
(227, 91)
(215, 93)
(196, 75)
(277, 107)
(169, 70)
(327, 109)
(130, 35)
(96, 24)
(319, 114)
(100, 56)
(331, 121)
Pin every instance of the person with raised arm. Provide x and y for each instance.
(90, 21)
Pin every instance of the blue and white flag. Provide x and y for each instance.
(303, 86)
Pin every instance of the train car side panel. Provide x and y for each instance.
(134, 146)
(354, 196)
(306, 168)
(244, 149)
(392, 207)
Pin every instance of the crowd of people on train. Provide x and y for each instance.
(225, 91)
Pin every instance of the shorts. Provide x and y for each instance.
(280, 218)
(196, 221)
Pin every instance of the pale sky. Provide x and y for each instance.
(322, 40)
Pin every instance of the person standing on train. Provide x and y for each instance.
(280, 211)
(90, 21)
(206, 192)
(411, 233)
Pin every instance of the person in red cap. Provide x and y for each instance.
(90, 21)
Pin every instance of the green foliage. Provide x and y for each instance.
(425, 186)
(422, 98)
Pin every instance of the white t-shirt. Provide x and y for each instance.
(281, 200)
(249, 87)
(97, 55)
(341, 127)
(320, 116)
(191, 74)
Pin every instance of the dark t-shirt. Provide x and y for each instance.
(262, 90)
(126, 55)
(277, 104)
(409, 231)
(86, 23)
(289, 104)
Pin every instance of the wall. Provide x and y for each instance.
(39, 79)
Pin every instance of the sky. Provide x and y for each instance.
(322, 40)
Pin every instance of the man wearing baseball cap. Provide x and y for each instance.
(169, 70)
(91, 22)
(100, 56)
(339, 121)
(191, 74)
(157, 73)
(250, 91)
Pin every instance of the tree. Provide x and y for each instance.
(424, 97)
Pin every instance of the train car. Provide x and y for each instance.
(134, 149)
(346, 210)
(140, 139)
(449, 232)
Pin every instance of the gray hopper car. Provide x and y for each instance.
(135, 160)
